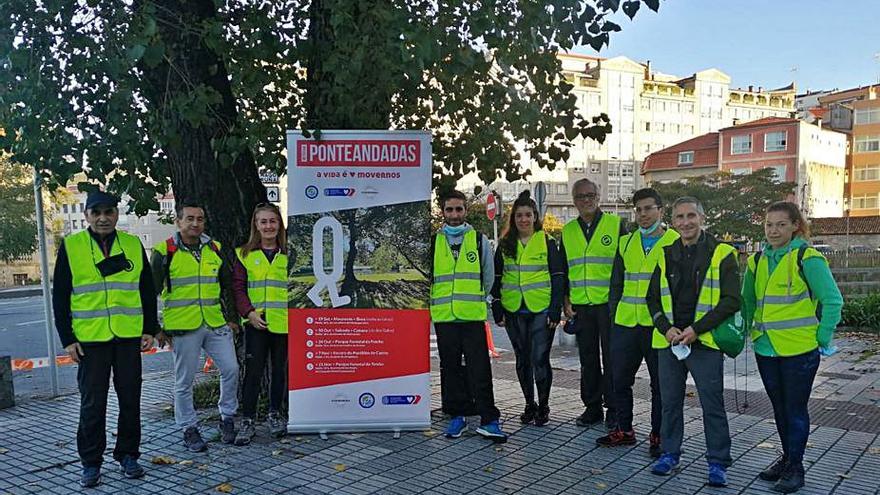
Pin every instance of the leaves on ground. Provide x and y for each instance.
(284, 440)
(224, 488)
(162, 459)
(277, 452)
(595, 471)
(765, 445)
(691, 394)
(874, 450)
(499, 449)
(845, 476)
(186, 462)
(340, 467)
(429, 433)
(487, 469)
(3, 451)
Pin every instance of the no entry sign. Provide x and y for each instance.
(491, 206)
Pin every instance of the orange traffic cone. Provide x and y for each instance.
(490, 342)
(209, 363)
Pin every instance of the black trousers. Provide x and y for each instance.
(594, 323)
(531, 340)
(628, 347)
(262, 346)
(122, 357)
(466, 387)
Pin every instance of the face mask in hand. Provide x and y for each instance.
(681, 351)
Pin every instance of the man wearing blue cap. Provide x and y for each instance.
(105, 312)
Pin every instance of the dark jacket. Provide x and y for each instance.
(676, 269)
(62, 289)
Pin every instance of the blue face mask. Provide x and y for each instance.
(650, 230)
(454, 231)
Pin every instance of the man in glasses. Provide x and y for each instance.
(188, 273)
(463, 274)
(589, 244)
(633, 329)
(105, 313)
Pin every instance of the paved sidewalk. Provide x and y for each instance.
(38, 454)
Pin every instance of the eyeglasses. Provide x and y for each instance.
(646, 209)
(587, 196)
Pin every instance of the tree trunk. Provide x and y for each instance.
(349, 282)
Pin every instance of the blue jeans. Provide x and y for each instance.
(788, 381)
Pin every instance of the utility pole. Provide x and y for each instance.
(44, 278)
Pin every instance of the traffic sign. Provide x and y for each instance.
(491, 206)
(273, 194)
(541, 198)
(268, 177)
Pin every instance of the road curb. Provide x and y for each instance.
(13, 294)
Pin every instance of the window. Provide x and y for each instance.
(865, 202)
(82, 207)
(775, 141)
(778, 172)
(689, 107)
(686, 158)
(595, 168)
(865, 144)
(660, 127)
(64, 208)
(868, 116)
(741, 171)
(646, 104)
(646, 148)
(660, 106)
(674, 128)
(626, 170)
(741, 145)
(561, 188)
(674, 107)
(648, 126)
(688, 129)
(870, 172)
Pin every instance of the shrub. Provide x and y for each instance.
(862, 312)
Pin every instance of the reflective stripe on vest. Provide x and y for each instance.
(456, 291)
(590, 264)
(267, 286)
(104, 307)
(195, 289)
(632, 310)
(527, 277)
(784, 309)
(710, 294)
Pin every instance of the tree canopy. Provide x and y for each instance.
(18, 231)
(734, 204)
(150, 94)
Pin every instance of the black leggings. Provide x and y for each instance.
(262, 346)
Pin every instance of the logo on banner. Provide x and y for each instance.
(367, 400)
(339, 191)
(324, 280)
(311, 192)
(401, 400)
(340, 401)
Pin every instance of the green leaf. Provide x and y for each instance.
(153, 54)
(135, 52)
(653, 4)
(609, 26)
(631, 7)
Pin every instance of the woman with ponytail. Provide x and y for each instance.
(792, 304)
(527, 301)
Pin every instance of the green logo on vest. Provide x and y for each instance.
(606, 240)
(472, 256)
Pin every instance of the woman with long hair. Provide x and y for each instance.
(260, 287)
(527, 301)
(792, 305)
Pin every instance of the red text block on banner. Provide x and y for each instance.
(334, 346)
(359, 153)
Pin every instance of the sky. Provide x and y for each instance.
(819, 44)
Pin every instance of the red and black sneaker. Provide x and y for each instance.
(617, 438)
(654, 446)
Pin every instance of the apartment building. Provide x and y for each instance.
(649, 111)
(856, 112)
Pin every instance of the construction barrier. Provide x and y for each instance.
(65, 360)
(491, 342)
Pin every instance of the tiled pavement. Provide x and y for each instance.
(38, 453)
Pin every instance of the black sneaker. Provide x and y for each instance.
(227, 431)
(91, 476)
(246, 432)
(589, 418)
(654, 445)
(791, 479)
(774, 472)
(529, 414)
(130, 468)
(193, 441)
(543, 416)
(610, 420)
(277, 425)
